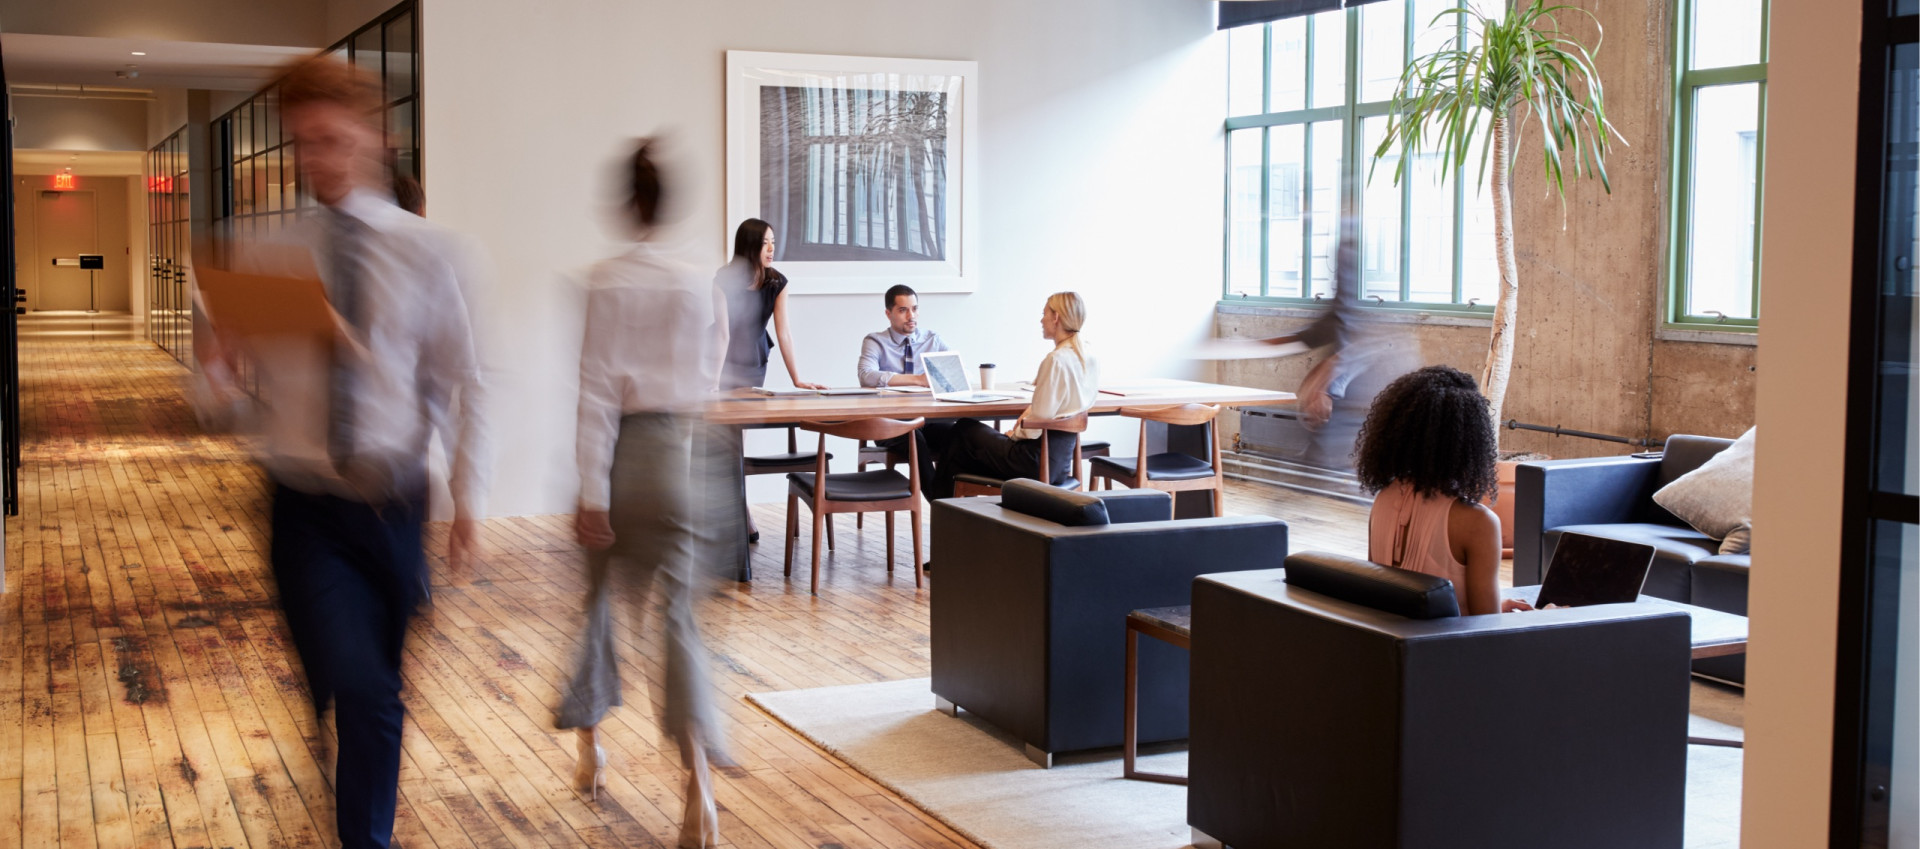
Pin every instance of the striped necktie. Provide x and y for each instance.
(344, 248)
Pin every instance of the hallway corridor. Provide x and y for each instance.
(148, 695)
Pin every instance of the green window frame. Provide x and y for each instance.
(1713, 277)
(1261, 265)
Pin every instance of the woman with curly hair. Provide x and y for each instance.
(1427, 453)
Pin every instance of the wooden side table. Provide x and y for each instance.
(1173, 625)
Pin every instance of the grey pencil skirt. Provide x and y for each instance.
(656, 549)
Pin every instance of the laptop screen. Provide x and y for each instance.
(1594, 570)
(945, 372)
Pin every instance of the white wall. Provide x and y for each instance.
(166, 114)
(1794, 598)
(345, 16)
(286, 22)
(71, 123)
(138, 265)
(1100, 171)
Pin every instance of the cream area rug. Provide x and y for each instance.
(975, 779)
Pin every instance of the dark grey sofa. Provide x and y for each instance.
(1613, 497)
(1322, 719)
(1031, 600)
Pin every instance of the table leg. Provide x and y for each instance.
(1130, 723)
(1130, 713)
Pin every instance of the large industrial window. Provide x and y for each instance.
(1308, 103)
(255, 173)
(1720, 108)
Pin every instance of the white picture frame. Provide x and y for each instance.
(871, 177)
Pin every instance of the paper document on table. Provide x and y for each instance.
(1245, 349)
(909, 390)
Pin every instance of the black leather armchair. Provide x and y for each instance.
(1029, 612)
(1323, 722)
(1613, 497)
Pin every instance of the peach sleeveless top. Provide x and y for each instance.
(1409, 531)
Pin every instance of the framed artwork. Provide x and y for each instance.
(865, 168)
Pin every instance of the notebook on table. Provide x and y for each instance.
(802, 393)
(947, 375)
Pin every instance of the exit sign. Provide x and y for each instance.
(63, 182)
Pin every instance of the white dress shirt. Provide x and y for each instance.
(414, 352)
(882, 354)
(655, 336)
(1065, 386)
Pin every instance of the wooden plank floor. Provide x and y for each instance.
(149, 696)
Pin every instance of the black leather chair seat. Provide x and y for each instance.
(1068, 482)
(803, 459)
(877, 485)
(1720, 582)
(1160, 467)
(1095, 448)
(1675, 549)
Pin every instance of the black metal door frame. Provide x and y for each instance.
(9, 324)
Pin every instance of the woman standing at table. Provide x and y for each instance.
(756, 292)
(1065, 386)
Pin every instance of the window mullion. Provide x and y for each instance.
(1306, 211)
(1459, 203)
(1406, 167)
(1352, 202)
(1266, 161)
(1266, 207)
(1306, 168)
(1759, 190)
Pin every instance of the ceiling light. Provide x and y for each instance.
(139, 53)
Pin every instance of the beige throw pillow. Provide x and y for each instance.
(1717, 498)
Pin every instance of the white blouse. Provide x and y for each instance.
(1064, 387)
(655, 329)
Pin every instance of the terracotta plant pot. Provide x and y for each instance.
(1503, 502)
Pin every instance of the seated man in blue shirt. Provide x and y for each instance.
(891, 357)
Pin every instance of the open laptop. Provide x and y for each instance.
(1594, 570)
(947, 375)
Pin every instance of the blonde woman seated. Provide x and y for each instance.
(1065, 386)
(1427, 452)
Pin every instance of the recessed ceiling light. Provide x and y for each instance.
(139, 53)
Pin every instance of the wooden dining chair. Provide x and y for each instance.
(869, 455)
(879, 491)
(779, 464)
(972, 484)
(1168, 471)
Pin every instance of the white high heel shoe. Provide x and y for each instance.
(590, 774)
(700, 825)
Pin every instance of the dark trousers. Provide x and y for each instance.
(350, 577)
(933, 438)
(974, 448)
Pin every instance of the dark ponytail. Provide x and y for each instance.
(646, 193)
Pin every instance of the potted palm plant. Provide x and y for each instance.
(1476, 95)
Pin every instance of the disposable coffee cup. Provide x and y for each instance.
(986, 375)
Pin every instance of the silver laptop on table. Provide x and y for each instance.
(947, 377)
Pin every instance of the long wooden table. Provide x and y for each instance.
(749, 410)
(743, 409)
